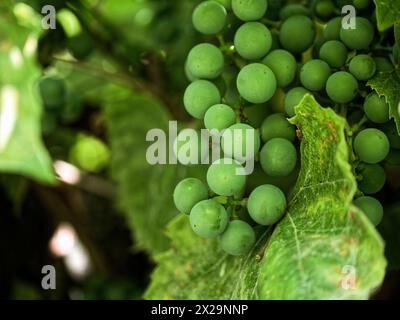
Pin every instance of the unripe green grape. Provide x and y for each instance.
(293, 98)
(219, 116)
(188, 192)
(209, 17)
(188, 75)
(224, 178)
(266, 204)
(53, 92)
(361, 4)
(253, 40)
(383, 64)
(191, 147)
(376, 109)
(256, 113)
(80, 45)
(392, 134)
(238, 238)
(297, 33)
(249, 10)
(234, 142)
(342, 87)
(371, 145)
(334, 53)
(278, 157)
(256, 83)
(90, 154)
(208, 219)
(359, 38)
(373, 178)
(393, 157)
(277, 126)
(205, 61)
(324, 8)
(293, 9)
(283, 65)
(363, 67)
(199, 96)
(314, 74)
(331, 30)
(371, 207)
(225, 3)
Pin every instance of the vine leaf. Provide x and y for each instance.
(387, 13)
(307, 252)
(387, 84)
(323, 240)
(144, 191)
(21, 147)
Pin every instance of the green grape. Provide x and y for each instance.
(342, 87)
(256, 113)
(293, 9)
(266, 204)
(371, 207)
(383, 64)
(361, 4)
(205, 61)
(278, 157)
(249, 10)
(363, 67)
(234, 142)
(219, 116)
(371, 145)
(297, 33)
(376, 109)
(90, 154)
(314, 74)
(199, 96)
(208, 219)
(277, 126)
(188, 75)
(331, 30)
(373, 178)
(253, 40)
(293, 98)
(391, 132)
(191, 147)
(53, 92)
(256, 83)
(283, 65)
(224, 177)
(225, 3)
(359, 38)
(238, 238)
(334, 53)
(209, 17)
(188, 192)
(81, 46)
(393, 157)
(324, 8)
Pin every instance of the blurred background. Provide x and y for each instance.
(76, 191)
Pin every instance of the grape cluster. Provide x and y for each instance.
(258, 61)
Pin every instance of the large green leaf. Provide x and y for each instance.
(387, 13)
(387, 84)
(21, 148)
(321, 236)
(145, 191)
